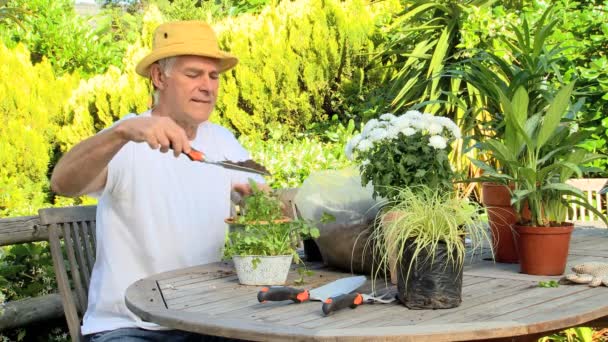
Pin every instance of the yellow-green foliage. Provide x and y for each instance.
(31, 102)
(290, 163)
(291, 59)
(99, 101)
(43, 115)
(102, 99)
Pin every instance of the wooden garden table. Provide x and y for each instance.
(498, 303)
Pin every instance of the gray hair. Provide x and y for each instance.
(166, 65)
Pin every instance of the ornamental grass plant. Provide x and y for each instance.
(432, 217)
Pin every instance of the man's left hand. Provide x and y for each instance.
(245, 189)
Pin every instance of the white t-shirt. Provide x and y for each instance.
(158, 213)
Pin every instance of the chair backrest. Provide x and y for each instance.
(592, 188)
(76, 225)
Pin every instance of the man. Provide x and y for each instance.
(156, 211)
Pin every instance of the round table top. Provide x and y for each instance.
(498, 302)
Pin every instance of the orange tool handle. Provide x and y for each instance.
(279, 293)
(349, 300)
(195, 155)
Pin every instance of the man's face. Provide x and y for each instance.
(190, 89)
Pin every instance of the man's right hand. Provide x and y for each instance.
(84, 169)
(159, 132)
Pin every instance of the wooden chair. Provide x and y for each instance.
(76, 227)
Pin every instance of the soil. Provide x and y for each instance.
(251, 164)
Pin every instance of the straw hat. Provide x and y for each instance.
(185, 38)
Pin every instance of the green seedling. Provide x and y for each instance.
(303, 272)
(549, 283)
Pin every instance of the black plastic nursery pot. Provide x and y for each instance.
(432, 283)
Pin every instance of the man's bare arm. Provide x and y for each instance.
(84, 168)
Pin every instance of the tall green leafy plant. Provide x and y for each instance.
(529, 62)
(540, 151)
(423, 40)
(54, 31)
(584, 30)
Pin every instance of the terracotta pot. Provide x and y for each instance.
(544, 250)
(501, 215)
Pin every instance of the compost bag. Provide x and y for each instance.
(432, 283)
(342, 243)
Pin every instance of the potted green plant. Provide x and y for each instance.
(394, 152)
(406, 159)
(262, 242)
(541, 153)
(529, 61)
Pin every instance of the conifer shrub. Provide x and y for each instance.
(293, 58)
(30, 109)
(104, 98)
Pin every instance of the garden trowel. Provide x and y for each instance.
(335, 288)
(247, 165)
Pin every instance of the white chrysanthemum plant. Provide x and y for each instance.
(404, 151)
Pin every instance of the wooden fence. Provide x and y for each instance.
(596, 191)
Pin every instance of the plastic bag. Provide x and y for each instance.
(344, 242)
